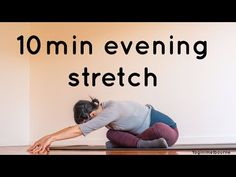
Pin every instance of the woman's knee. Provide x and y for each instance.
(165, 131)
(110, 134)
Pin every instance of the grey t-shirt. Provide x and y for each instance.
(120, 115)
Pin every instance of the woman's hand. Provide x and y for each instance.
(41, 146)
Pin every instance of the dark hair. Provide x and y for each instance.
(83, 108)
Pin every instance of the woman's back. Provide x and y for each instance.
(120, 115)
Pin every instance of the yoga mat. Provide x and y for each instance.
(175, 147)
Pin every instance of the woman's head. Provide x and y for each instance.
(85, 110)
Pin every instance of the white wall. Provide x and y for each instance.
(198, 94)
(14, 86)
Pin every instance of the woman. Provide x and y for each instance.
(130, 124)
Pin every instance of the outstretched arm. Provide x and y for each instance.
(43, 144)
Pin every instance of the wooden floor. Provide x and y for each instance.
(21, 150)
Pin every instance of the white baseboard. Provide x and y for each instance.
(181, 140)
(81, 142)
(206, 140)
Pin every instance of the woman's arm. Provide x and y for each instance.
(43, 144)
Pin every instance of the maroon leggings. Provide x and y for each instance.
(158, 130)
